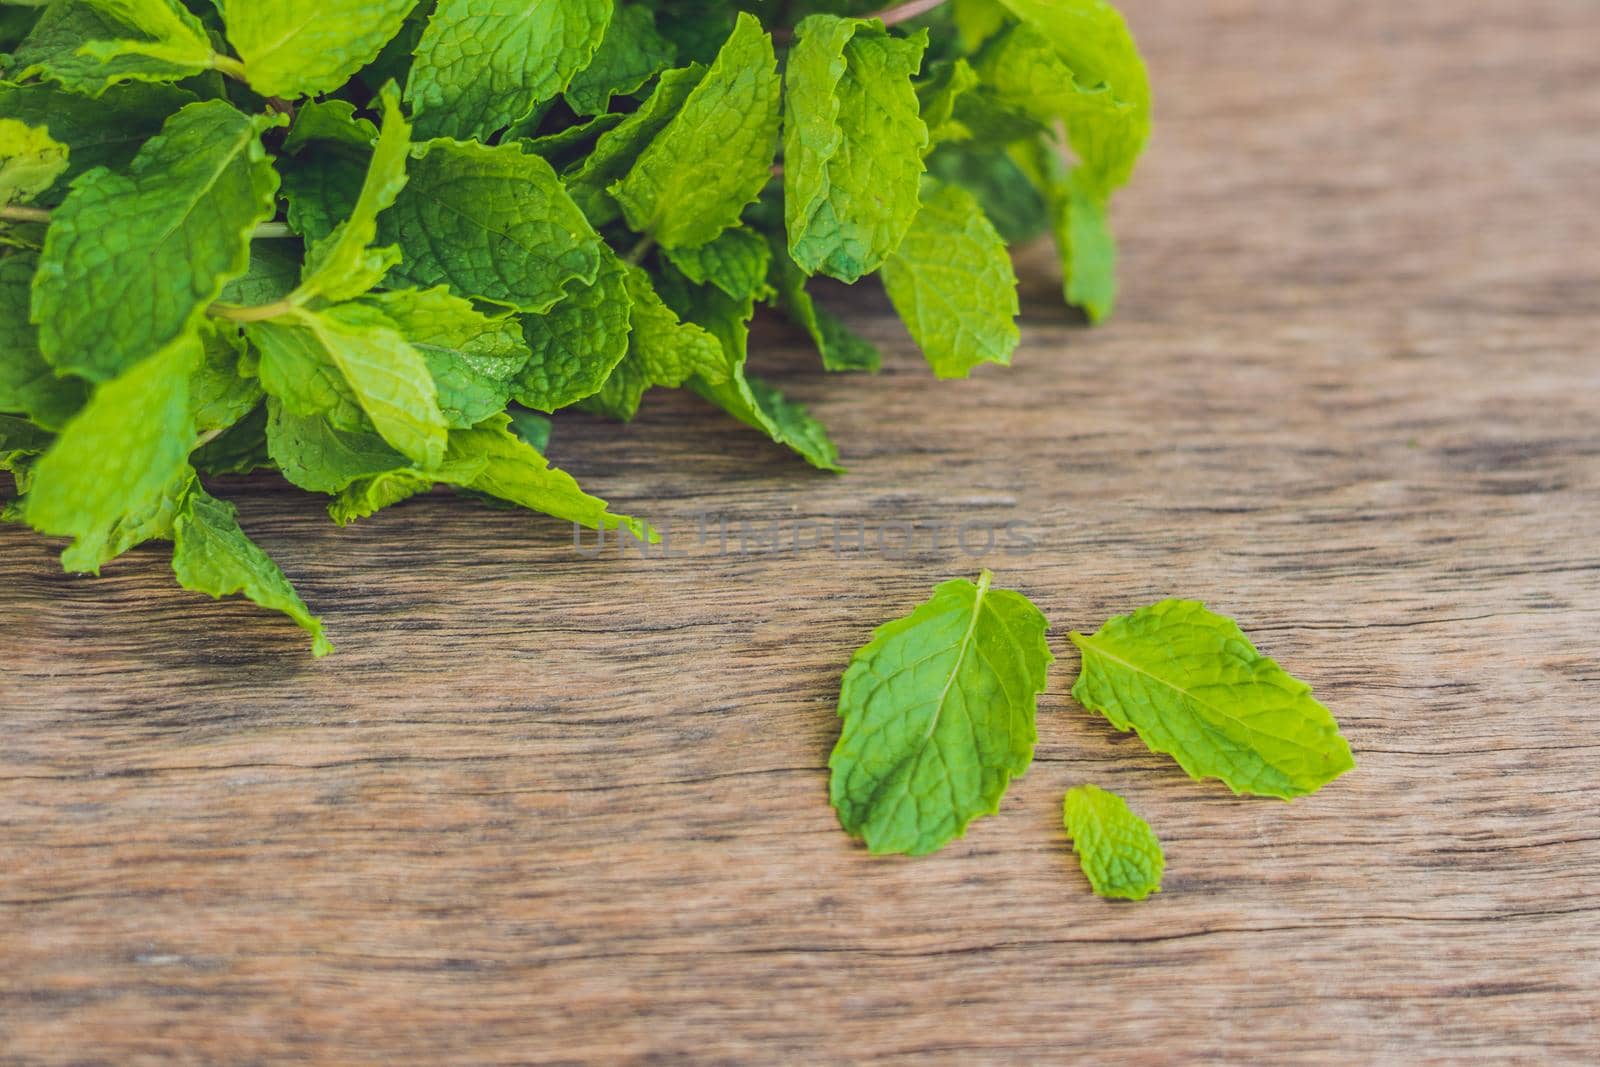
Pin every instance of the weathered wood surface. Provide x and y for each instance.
(545, 808)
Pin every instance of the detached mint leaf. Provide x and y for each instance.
(576, 344)
(211, 554)
(30, 161)
(492, 223)
(149, 251)
(630, 54)
(938, 713)
(853, 144)
(952, 283)
(296, 48)
(114, 465)
(482, 67)
(1117, 850)
(1193, 686)
(715, 155)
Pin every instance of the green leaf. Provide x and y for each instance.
(1117, 850)
(112, 468)
(952, 283)
(97, 133)
(211, 554)
(841, 348)
(531, 427)
(344, 264)
(272, 275)
(937, 97)
(149, 251)
(1193, 686)
(473, 358)
(736, 262)
(296, 48)
(30, 162)
(616, 149)
(27, 383)
(938, 713)
(1075, 60)
(853, 144)
(318, 456)
(662, 351)
(481, 67)
(317, 361)
(1078, 218)
(90, 45)
(239, 449)
(630, 54)
(577, 343)
(219, 393)
(492, 223)
(714, 157)
(572, 144)
(514, 471)
(1008, 196)
(748, 399)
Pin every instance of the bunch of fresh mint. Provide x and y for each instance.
(364, 242)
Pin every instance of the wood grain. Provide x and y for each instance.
(545, 808)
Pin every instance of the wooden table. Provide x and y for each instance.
(540, 807)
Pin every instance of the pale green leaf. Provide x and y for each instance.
(114, 463)
(938, 713)
(369, 358)
(737, 262)
(481, 67)
(1194, 687)
(345, 264)
(715, 155)
(577, 343)
(211, 554)
(150, 250)
(296, 48)
(30, 161)
(27, 383)
(1119, 853)
(662, 351)
(952, 283)
(492, 223)
(90, 45)
(853, 144)
(630, 54)
(617, 148)
(474, 358)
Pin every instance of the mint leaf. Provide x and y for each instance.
(1117, 850)
(97, 133)
(616, 149)
(853, 144)
(492, 223)
(938, 713)
(473, 357)
(630, 54)
(736, 262)
(30, 161)
(220, 393)
(714, 156)
(303, 47)
(211, 554)
(481, 67)
(149, 251)
(939, 94)
(662, 351)
(108, 477)
(317, 456)
(90, 45)
(344, 264)
(841, 348)
(1193, 686)
(952, 283)
(576, 344)
(27, 383)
